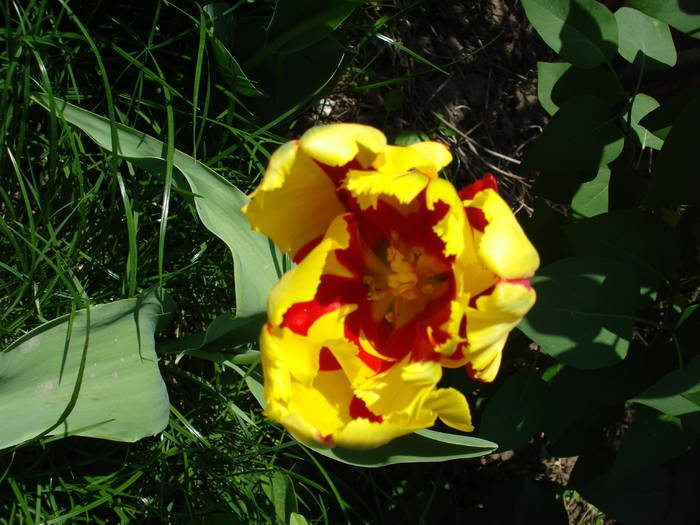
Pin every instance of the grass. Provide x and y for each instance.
(81, 226)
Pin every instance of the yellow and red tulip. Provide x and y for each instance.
(398, 275)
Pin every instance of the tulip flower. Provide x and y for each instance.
(398, 275)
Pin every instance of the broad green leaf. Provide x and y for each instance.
(645, 244)
(516, 411)
(423, 446)
(641, 499)
(558, 82)
(109, 351)
(583, 316)
(669, 394)
(693, 397)
(581, 136)
(660, 120)
(222, 336)
(548, 74)
(675, 176)
(584, 32)
(684, 15)
(639, 33)
(299, 24)
(652, 439)
(221, 40)
(218, 202)
(592, 197)
(280, 76)
(642, 105)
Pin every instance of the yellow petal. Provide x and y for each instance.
(338, 144)
(452, 227)
(452, 408)
(489, 324)
(503, 247)
(369, 186)
(485, 363)
(438, 153)
(300, 284)
(281, 207)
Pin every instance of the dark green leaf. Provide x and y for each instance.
(221, 41)
(640, 500)
(584, 311)
(684, 15)
(299, 24)
(667, 395)
(675, 177)
(652, 439)
(584, 32)
(660, 120)
(644, 243)
(639, 33)
(581, 136)
(592, 197)
(558, 82)
(516, 410)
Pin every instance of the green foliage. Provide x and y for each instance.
(583, 32)
(619, 289)
(516, 411)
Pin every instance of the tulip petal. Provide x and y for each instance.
(438, 154)
(280, 207)
(338, 144)
(496, 314)
(503, 247)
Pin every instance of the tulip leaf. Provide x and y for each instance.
(516, 411)
(640, 33)
(220, 40)
(583, 316)
(645, 244)
(102, 360)
(670, 394)
(423, 446)
(581, 136)
(256, 263)
(684, 15)
(299, 24)
(584, 32)
(651, 439)
(592, 197)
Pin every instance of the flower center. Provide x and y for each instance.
(405, 281)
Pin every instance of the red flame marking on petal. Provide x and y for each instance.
(327, 361)
(358, 409)
(488, 181)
